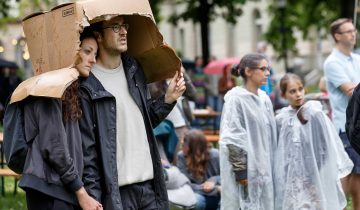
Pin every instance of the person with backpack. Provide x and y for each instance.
(52, 172)
(342, 73)
(309, 160)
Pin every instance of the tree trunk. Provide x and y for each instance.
(347, 8)
(204, 23)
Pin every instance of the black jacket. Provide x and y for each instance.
(98, 127)
(54, 161)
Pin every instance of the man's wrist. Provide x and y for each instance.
(168, 99)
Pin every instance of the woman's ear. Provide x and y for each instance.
(248, 72)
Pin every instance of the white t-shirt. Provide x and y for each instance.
(134, 162)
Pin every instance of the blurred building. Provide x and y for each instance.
(228, 40)
(13, 46)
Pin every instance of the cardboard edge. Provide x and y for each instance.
(59, 6)
(32, 15)
(22, 91)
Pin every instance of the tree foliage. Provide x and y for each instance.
(203, 12)
(227, 9)
(33, 5)
(302, 15)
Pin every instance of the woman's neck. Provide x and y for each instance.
(251, 87)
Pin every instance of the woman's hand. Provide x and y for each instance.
(208, 186)
(243, 182)
(87, 202)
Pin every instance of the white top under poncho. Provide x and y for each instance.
(248, 122)
(309, 161)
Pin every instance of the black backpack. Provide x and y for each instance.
(15, 143)
(352, 124)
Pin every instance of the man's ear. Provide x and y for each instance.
(98, 36)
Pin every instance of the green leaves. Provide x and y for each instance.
(299, 15)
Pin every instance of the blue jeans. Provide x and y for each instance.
(204, 202)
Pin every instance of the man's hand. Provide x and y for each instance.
(176, 88)
(86, 202)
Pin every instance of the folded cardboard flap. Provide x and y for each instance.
(50, 84)
(149, 38)
(161, 69)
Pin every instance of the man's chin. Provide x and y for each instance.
(123, 49)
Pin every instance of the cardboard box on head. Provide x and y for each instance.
(53, 36)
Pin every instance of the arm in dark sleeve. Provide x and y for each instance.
(91, 173)
(238, 160)
(159, 110)
(190, 91)
(53, 143)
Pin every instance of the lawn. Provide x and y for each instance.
(11, 201)
(18, 202)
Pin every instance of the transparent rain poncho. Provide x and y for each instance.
(248, 123)
(309, 161)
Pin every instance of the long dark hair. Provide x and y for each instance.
(197, 155)
(71, 103)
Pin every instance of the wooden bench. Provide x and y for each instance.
(5, 172)
(211, 132)
(213, 138)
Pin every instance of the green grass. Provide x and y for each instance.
(11, 201)
(18, 201)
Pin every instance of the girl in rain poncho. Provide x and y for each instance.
(310, 159)
(247, 140)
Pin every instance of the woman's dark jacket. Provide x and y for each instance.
(54, 162)
(98, 128)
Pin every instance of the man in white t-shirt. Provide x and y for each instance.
(122, 162)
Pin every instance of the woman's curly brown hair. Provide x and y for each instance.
(197, 155)
(71, 104)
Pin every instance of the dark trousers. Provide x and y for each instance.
(138, 196)
(36, 200)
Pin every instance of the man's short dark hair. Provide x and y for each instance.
(334, 27)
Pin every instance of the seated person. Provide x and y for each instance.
(201, 165)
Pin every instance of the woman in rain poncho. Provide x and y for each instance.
(247, 140)
(310, 159)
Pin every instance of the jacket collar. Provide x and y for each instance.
(94, 86)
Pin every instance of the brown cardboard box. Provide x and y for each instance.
(53, 36)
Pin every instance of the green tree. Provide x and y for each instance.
(155, 7)
(205, 11)
(302, 15)
(25, 7)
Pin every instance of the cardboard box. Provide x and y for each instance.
(53, 36)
